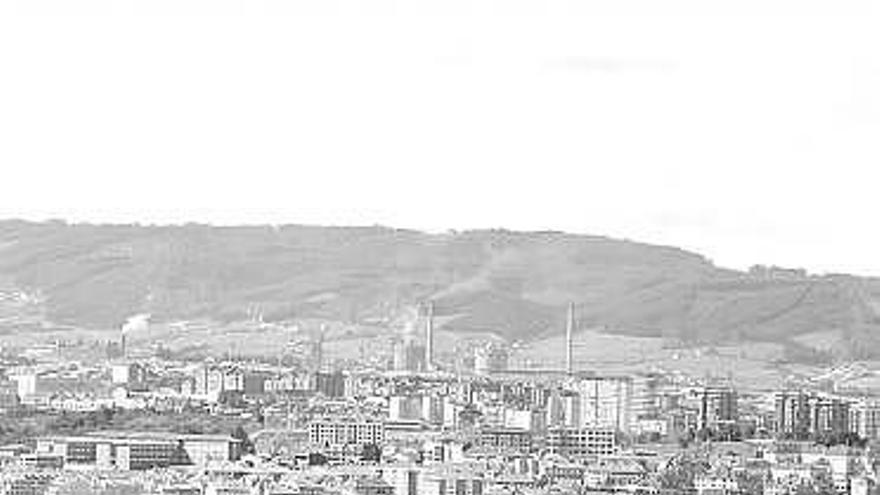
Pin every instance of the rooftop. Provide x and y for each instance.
(141, 436)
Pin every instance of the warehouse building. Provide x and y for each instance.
(140, 451)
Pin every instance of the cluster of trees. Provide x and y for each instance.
(116, 487)
(369, 453)
(680, 474)
(849, 439)
(731, 434)
(247, 446)
(828, 439)
(683, 469)
(736, 434)
(31, 424)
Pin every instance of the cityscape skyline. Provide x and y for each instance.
(439, 247)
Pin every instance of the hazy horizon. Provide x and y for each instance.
(743, 131)
(451, 230)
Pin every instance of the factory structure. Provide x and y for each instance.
(414, 354)
(414, 351)
(429, 337)
(124, 450)
(569, 340)
(411, 352)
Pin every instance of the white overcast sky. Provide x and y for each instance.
(746, 130)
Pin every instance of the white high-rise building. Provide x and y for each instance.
(605, 402)
(26, 384)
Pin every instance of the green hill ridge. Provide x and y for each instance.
(514, 284)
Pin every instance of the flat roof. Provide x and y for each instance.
(140, 437)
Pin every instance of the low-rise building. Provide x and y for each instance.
(508, 439)
(332, 432)
(580, 442)
(452, 480)
(139, 451)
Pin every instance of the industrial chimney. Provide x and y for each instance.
(429, 337)
(569, 330)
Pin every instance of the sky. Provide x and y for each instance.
(748, 131)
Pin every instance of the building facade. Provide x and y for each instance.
(334, 433)
(581, 442)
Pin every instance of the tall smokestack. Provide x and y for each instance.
(137, 323)
(429, 337)
(569, 330)
(318, 348)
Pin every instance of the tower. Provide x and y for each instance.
(429, 338)
(318, 348)
(569, 330)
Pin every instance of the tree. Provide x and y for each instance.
(247, 447)
(705, 434)
(317, 459)
(231, 398)
(469, 415)
(750, 483)
(823, 484)
(371, 453)
(681, 471)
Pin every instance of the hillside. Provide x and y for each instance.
(513, 284)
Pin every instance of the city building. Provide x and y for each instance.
(404, 480)
(531, 420)
(802, 415)
(564, 409)
(139, 451)
(452, 479)
(26, 384)
(580, 442)
(491, 358)
(405, 407)
(409, 356)
(370, 485)
(831, 416)
(334, 433)
(865, 419)
(793, 413)
(9, 399)
(442, 450)
(718, 409)
(133, 374)
(646, 397)
(505, 439)
(604, 402)
(331, 385)
(35, 483)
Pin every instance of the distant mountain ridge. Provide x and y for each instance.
(515, 284)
